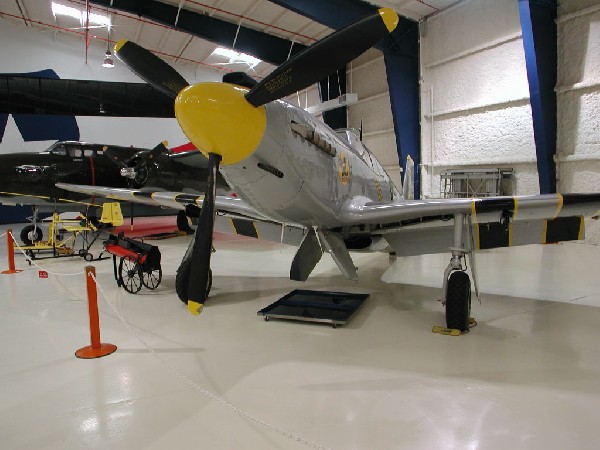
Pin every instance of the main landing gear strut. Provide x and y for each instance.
(457, 284)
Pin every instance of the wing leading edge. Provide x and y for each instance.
(174, 200)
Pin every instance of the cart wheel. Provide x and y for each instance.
(130, 276)
(152, 279)
(88, 257)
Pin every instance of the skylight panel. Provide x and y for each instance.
(236, 57)
(69, 11)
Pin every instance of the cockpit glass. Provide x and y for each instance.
(59, 150)
(75, 152)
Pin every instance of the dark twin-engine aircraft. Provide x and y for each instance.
(30, 178)
(321, 189)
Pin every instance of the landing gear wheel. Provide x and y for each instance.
(152, 279)
(182, 280)
(458, 301)
(88, 257)
(183, 223)
(31, 234)
(130, 276)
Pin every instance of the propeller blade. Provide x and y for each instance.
(148, 157)
(114, 156)
(202, 249)
(150, 68)
(323, 57)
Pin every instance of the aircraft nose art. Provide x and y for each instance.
(217, 119)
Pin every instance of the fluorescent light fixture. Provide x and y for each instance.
(236, 57)
(69, 11)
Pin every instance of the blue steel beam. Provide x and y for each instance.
(539, 40)
(401, 55)
(266, 47)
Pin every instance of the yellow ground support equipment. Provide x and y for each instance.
(65, 234)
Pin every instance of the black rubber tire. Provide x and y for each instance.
(183, 223)
(458, 301)
(182, 280)
(29, 236)
(152, 279)
(130, 276)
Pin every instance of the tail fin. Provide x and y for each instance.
(408, 185)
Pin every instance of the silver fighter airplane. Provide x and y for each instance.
(300, 182)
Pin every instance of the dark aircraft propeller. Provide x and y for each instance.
(307, 67)
(135, 167)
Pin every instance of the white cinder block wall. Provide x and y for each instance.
(578, 94)
(475, 96)
(367, 78)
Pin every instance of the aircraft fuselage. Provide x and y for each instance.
(304, 172)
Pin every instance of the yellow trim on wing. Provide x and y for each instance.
(516, 210)
(559, 206)
(581, 234)
(256, 230)
(44, 197)
(544, 231)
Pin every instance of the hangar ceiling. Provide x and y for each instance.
(292, 30)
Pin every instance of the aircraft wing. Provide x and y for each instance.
(413, 227)
(526, 207)
(174, 200)
(233, 214)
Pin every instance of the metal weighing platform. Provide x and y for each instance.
(334, 308)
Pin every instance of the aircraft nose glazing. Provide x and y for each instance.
(217, 119)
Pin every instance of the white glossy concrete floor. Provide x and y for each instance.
(528, 376)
